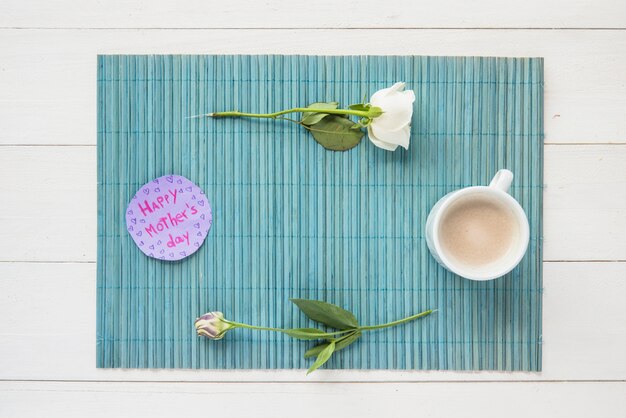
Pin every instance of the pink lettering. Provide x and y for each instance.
(171, 242)
(145, 209)
(181, 216)
(173, 219)
(174, 241)
(150, 230)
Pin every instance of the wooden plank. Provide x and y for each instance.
(48, 78)
(321, 14)
(56, 220)
(48, 203)
(585, 202)
(487, 400)
(48, 331)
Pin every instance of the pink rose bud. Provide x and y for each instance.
(212, 326)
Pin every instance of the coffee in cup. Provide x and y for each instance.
(479, 233)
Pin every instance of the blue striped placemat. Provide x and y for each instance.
(294, 220)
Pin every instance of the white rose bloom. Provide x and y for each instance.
(392, 128)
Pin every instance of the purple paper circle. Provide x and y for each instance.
(169, 218)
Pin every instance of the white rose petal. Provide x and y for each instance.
(390, 140)
(392, 128)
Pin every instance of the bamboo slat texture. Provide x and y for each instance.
(294, 220)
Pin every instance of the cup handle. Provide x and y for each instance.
(502, 180)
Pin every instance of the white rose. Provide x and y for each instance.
(392, 128)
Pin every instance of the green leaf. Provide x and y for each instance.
(344, 342)
(375, 112)
(314, 351)
(322, 357)
(306, 333)
(360, 106)
(335, 133)
(311, 118)
(339, 345)
(356, 126)
(327, 313)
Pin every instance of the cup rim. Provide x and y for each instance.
(520, 214)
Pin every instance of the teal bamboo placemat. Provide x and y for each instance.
(294, 220)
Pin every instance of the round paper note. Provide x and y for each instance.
(169, 218)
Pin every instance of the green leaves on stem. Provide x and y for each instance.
(306, 333)
(330, 126)
(327, 313)
(213, 325)
(335, 129)
(340, 344)
(311, 118)
(335, 317)
(333, 132)
(338, 318)
(322, 357)
(336, 133)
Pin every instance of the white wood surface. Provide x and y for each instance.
(47, 144)
(260, 400)
(318, 14)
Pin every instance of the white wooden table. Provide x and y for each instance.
(48, 203)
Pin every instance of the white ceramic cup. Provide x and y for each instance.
(497, 191)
